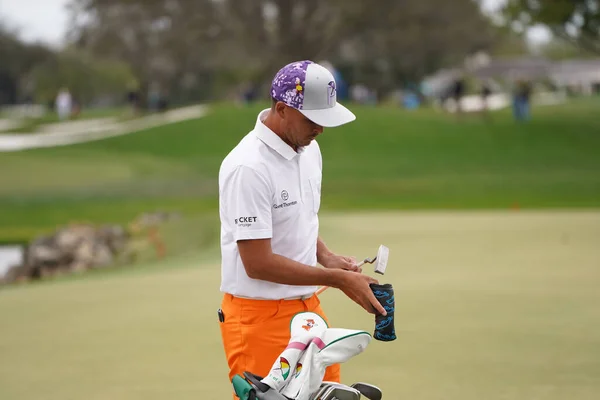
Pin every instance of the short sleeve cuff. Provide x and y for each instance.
(254, 234)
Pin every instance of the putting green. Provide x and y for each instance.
(489, 306)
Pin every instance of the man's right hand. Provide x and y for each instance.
(356, 287)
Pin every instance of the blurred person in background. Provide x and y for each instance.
(64, 104)
(486, 92)
(133, 96)
(154, 96)
(521, 100)
(457, 93)
(75, 108)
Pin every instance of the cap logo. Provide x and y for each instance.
(331, 93)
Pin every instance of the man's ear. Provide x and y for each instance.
(280, 109)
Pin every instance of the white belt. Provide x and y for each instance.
(305, 297)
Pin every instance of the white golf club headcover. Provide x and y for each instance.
(300, 368)
(304, 328)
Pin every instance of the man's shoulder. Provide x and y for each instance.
(247, 153)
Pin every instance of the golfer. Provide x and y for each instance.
(269, 199)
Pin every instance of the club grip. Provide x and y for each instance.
(384, 325)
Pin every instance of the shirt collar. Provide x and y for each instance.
(271, 139)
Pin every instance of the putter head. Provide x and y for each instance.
(382, 259)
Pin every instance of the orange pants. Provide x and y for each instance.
(256, 332)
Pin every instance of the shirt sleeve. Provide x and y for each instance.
(248, 199)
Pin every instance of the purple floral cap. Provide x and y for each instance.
(289, 83)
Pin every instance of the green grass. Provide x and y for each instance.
(495, 306)
(388, 159)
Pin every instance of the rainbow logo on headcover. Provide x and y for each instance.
(285, 367)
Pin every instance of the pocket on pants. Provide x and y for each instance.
(251, 316)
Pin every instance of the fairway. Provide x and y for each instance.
(388, 159)
(490, 305)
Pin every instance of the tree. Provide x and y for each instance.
(87, 78)
(576, 21)
(402, 41)
(18, 60)
(169, 40)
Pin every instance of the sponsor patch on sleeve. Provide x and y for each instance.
(245, 221)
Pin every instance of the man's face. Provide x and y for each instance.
(298, 130)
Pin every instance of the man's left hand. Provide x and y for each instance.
(335, 261)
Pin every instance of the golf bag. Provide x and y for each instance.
(298, 372)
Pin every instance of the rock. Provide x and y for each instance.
(103, 256)
(16, 273)
(68, 239)
(71, 249)
(115, 236)
(84, 253)
(43, 251)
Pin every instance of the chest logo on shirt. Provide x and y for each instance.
(285, 196)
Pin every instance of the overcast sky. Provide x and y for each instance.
(46, 20)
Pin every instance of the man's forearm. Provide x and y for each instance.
(280, 269)
(322, 251)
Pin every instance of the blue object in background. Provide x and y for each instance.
(341, 86)
(411, 101)
(520, 109)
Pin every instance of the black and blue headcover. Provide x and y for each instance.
(384, 325)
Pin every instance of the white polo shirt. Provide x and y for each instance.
(267, 190)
